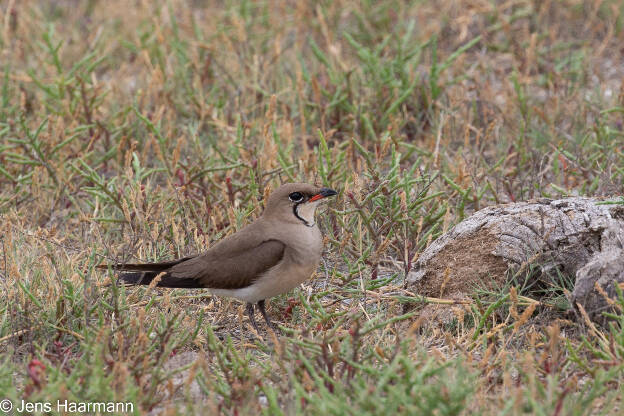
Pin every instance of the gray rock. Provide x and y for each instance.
(580, 238)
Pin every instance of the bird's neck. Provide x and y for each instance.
(305, 212)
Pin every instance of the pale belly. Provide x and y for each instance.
(274, 282)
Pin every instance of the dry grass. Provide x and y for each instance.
(147, 130)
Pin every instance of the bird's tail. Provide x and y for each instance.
(145, 273)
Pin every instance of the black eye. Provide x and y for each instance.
(296, 197)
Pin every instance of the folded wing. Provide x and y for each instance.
(221, 267)
(231, 270)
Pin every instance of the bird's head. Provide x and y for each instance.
(297, 202)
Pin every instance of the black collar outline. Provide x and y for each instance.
(307, 224)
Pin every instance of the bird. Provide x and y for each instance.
(270, 256)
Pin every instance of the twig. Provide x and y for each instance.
(17, 333)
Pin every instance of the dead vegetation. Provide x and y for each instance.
(147, 130)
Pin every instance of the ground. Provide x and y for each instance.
(147, 130)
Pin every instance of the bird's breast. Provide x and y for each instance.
(306, 248)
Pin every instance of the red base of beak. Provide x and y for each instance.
(325, 192)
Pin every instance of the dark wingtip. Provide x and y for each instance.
(135, 278)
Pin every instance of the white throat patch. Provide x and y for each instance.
(306, 212)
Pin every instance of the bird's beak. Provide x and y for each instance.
(325, 192)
